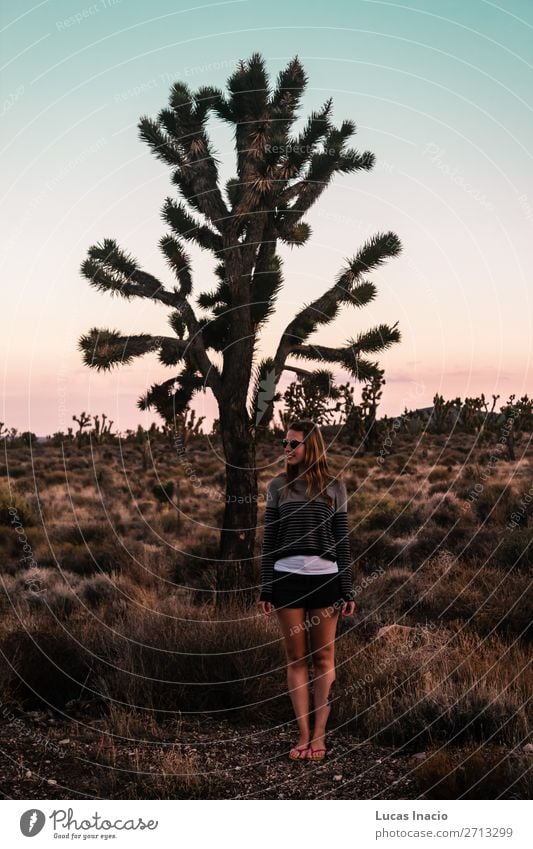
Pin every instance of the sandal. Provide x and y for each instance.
(299, 749)
(320, 752)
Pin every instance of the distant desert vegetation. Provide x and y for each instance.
(108, 576)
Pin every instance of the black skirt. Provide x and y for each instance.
(290, 589)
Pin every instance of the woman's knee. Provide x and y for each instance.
(296, 660)
(324, 659)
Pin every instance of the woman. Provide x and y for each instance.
(305, 566)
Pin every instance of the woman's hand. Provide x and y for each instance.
(267, 607)
(348, 608)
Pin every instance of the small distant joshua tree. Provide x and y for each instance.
(279, 178)
(83, 421)
(102, 429)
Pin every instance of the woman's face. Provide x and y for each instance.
(294, 456)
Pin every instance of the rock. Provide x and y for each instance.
(393, 632)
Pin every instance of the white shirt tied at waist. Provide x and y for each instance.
(306, 564)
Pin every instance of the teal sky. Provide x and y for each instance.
(441, 93)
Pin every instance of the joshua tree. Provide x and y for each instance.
(309, 396)
(83, 421)
(279, 178)
(370, 398)
(102, 430)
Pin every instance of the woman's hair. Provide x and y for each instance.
(315, 464)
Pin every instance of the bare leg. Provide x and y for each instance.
(292, 623)
(322, 636)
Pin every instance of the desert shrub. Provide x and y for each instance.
(60, 600)
(438, 473)
(432, 539)
(195, 563)
(376, 548)
(389, 596)
(387, 481)
(487, 599)
(515, 550)
(79, 463)
(103, 476)
(164, 492)
(144, 506)
(494, 503)
(140, 529)
(446, 685)
(41, 588)
(443, 511)
(98, 590)
(480, 543)
(482, 772)
(52, 477)
(12, 548)
(396, 517)
(465, 483)
(14, 508)
(169, 522)
(438, 486)
(90, 532)
(15, 470)
(83, 560)
(45, 667)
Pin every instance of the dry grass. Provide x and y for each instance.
(115, 611)
(475, 772)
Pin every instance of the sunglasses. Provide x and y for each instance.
(292, 442)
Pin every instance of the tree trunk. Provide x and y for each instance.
(236, 568)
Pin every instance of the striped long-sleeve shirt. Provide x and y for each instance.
(296, 525)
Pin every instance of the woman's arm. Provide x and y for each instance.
(270, 536)
(342, 543)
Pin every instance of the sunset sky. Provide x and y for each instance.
(442, 94)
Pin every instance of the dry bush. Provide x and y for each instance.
(44, 667)
(88, 532)
(439, 473)
(194, 563)
(169, 654)
(98, 590)
(494, 503)
(376, 549)
(166, 772)
(475, 772)
(489, 599)
(390, 595)
(428, 684)
(394, 515)
(12, 499)
(53, 477)
(109, 556)
(140, 769)
(515, 551)
(12, 548)
(444, 511)
(16, 470)
(433, 538)
(438, 487)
